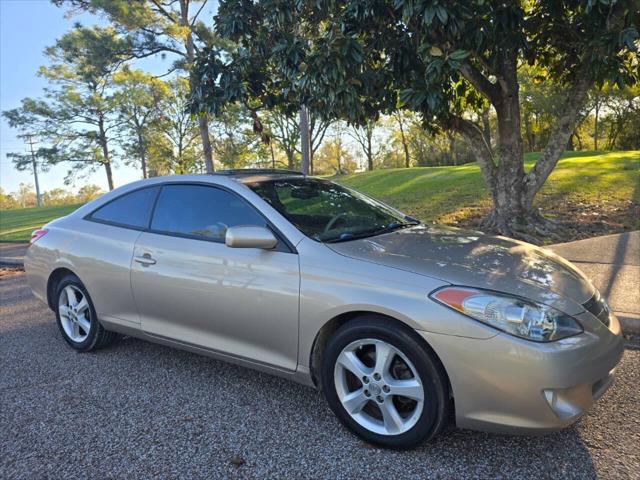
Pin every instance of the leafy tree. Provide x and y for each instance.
(367, 136)
(25, 196)
(137, 98)
(7, 200)
(541, 102)
(235, 144)
(173, 142)
(283, 129)
(335, 158)
(355, 60)
(159, 27)
(401, 118)
(58, 196)
(78, 116)
(317, 130)
(623, 121)
(88, 192)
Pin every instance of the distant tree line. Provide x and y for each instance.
(25, 196)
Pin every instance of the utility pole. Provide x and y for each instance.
(34, 164)
(305, 146)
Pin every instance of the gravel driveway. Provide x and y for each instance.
(137, 410)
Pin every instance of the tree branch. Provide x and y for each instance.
(164, 12)
(560, 134)
(473, 133)
(479, 81)
(195, 17)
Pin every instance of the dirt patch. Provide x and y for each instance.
(577, 220)
(6, 272)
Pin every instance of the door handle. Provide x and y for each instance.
(145, 260)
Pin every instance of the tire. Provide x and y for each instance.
(412, 366)
(79, 323)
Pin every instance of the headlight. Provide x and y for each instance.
(514, 315)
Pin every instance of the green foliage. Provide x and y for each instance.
(158, 27)
(138, 98)
(7, 201)
(354, 59)
(77, 116)
(173, 146)
(334, 158)
(446, 61)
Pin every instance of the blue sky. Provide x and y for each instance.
(27, 27)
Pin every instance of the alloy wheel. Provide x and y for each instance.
(379, 387)
(75, 315)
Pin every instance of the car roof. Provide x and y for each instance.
(251, 175)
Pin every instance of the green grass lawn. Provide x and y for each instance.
(17, 225)
(591, 193)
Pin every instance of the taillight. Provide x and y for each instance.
(38, 234)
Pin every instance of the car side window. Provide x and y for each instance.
(201, 211)
(130, 210)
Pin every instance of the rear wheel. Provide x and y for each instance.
(76, 317)
(384, 384)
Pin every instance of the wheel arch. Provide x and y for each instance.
(330, 327)
(52, 283)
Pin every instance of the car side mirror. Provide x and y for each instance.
(250, 237)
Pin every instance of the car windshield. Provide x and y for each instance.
(328, 212)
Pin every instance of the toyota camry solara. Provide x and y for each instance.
(399, 323)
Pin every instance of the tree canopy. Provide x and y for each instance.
(444, 60)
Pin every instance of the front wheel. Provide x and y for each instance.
(76, 317)
(384, 384)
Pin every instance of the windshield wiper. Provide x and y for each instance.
(345, 237)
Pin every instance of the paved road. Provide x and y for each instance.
(612, 262)
(137, 410)
(12, 253)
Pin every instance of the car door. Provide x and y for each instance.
(103, 249)
(190, 287)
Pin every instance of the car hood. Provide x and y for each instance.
(474, 259)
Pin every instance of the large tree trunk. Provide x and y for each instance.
(513, 191)
(486, 127)
(203, 126)
(531, 146)
(405, 146)
(512, 208)
(595, 125)
(107, 168)
(290, 159)
(305, 141)
(203, 118)
(105, 152)
(369, 152)
(452, 148)
(143, 155)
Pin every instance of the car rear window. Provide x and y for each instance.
(130, 210)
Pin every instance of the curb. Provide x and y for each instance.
(11, 262)
(629, 322)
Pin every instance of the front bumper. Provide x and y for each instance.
(506, 384)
